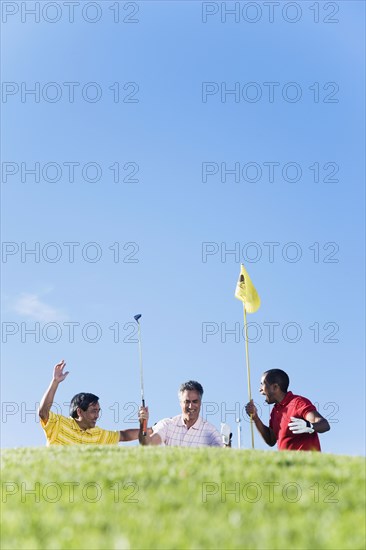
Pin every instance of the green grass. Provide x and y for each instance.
(174, 498)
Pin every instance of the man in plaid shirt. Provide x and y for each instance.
(187, 429)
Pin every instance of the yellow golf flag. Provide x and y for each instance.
(246, 292)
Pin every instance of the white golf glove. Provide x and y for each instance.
(225, 433)
(300, 426)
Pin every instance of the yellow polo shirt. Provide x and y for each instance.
(61, 430)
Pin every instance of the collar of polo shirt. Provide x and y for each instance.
(195, 426)
(286, 400)
(75, 426)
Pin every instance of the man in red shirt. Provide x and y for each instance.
(294, 423)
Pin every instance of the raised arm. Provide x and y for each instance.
(46, 402)
(265, 431)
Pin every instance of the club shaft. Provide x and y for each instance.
(144, 422)
(141, 368)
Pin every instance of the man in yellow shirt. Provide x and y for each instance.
(80, 427)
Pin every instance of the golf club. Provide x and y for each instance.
(144, 422)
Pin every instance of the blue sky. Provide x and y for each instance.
(160, 245)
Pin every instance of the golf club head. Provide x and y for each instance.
(137, 317)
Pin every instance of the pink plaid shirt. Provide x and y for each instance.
(174, 432)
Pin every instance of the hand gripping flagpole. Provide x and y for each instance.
(246, 292)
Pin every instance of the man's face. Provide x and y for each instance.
(89, 417)
(190, 403)
(268, 390)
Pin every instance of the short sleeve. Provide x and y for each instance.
(161, 428)
(51, 427)
(216, 439)
(304, 406)
(108, 437)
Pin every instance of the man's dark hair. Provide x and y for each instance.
(82, 401)
(278, 376)
(191, 385)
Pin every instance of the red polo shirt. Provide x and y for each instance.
(299, 407)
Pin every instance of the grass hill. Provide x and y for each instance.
(87, 497)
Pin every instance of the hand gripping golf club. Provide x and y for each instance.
(144, 422)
